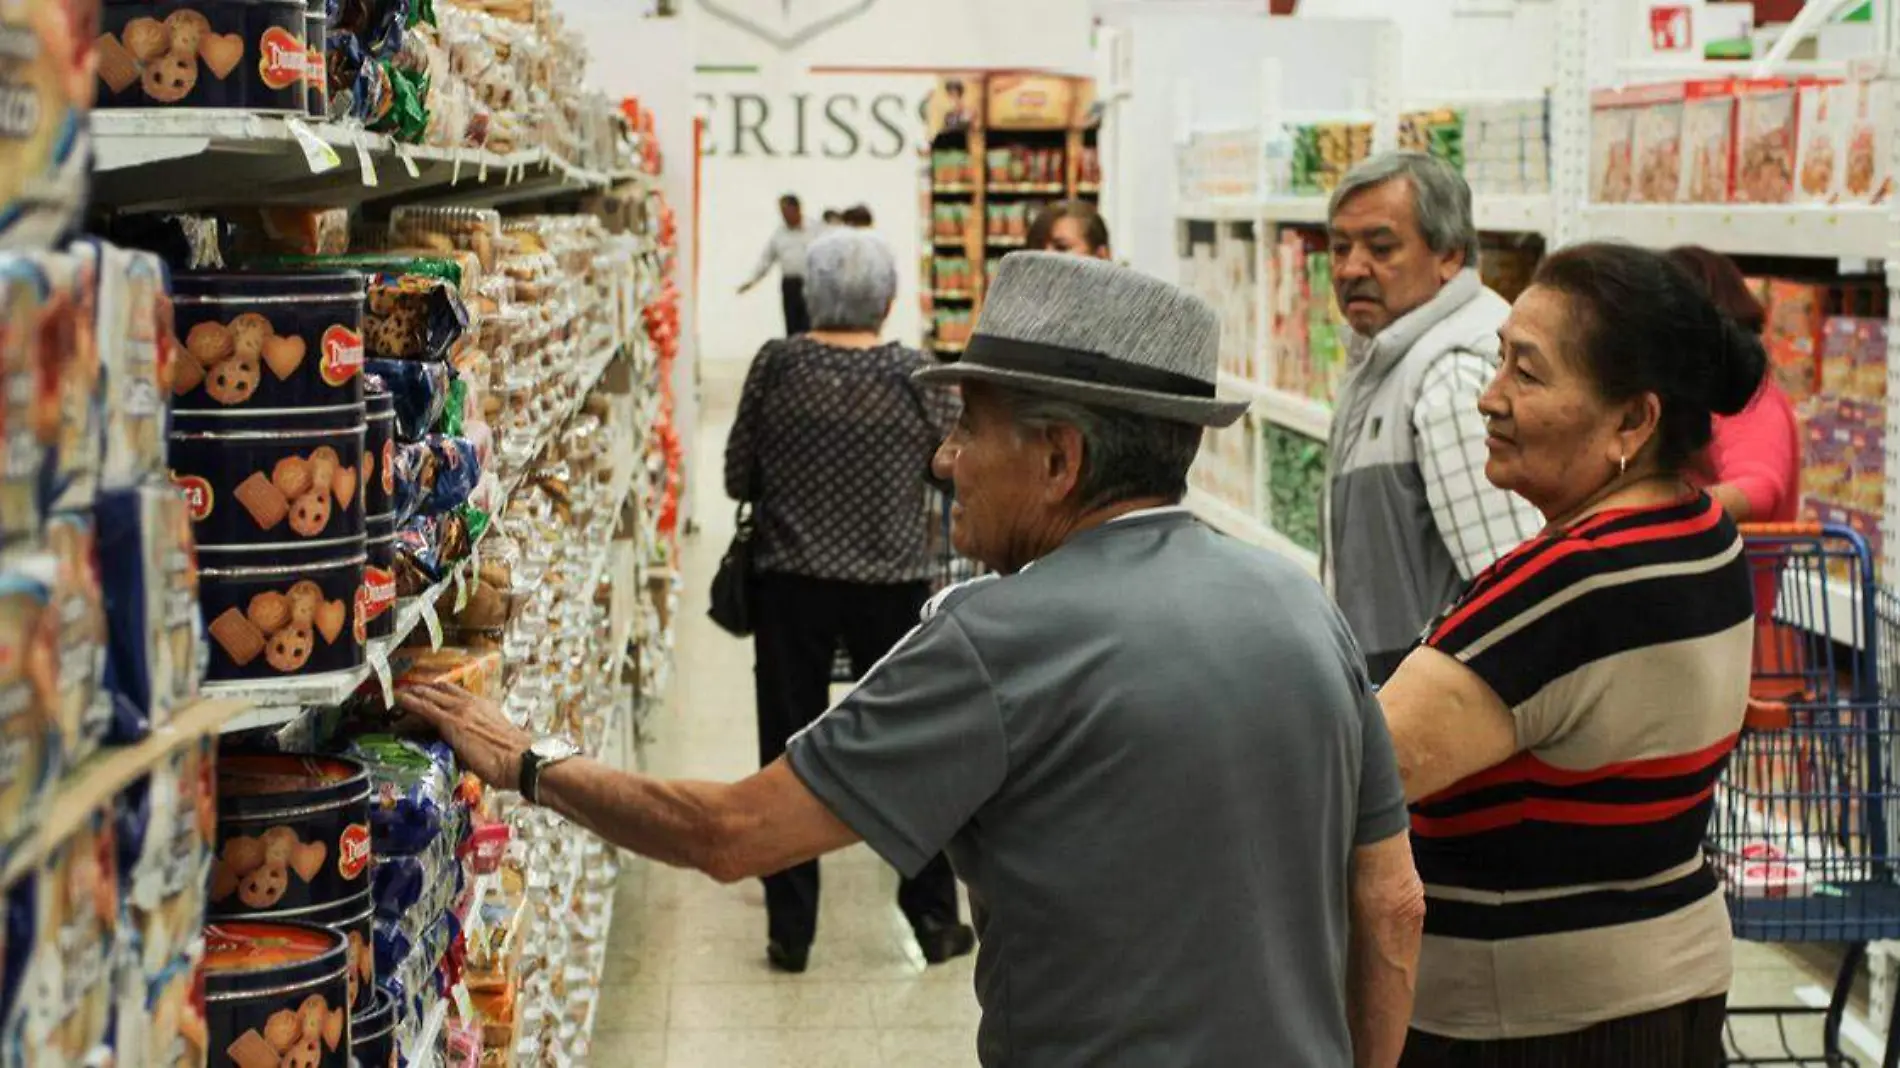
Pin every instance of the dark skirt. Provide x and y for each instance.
(1688, 1035)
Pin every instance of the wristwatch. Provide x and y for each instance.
(539, 757)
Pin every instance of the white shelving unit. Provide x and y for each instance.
(1819, 230)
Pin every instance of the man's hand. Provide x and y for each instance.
(481, 736)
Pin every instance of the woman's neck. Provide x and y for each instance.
(846, 339)
(1628, 491)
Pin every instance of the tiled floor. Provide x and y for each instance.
(687, 983)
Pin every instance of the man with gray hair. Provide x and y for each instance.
(1150, 749)
(1408, 516)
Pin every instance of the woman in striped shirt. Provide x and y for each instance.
(1561, 726)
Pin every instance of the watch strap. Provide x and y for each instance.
(531, 765)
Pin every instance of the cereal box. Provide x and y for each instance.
(1612, 143)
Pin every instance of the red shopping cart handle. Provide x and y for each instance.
(1767, 716)
(1781, 530)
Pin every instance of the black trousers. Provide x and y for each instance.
(1688, 1035)
(798, 624)
(797, 315)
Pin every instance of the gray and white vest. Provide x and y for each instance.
(1383, 559)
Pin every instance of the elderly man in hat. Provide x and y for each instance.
(1150, 750)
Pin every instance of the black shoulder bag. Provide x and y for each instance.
(732, 586)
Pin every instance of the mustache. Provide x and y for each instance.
(1360, 290)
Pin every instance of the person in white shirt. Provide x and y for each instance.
(786, 251)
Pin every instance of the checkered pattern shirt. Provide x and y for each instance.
(1477, 521)
(832, 445)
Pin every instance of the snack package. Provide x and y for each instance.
(420, 391)
(1870, 362)
(1793, 335)
(434, 476)
(47, 76)
(29, 694)
(1612, 147)
(132, 288)
(1839, 354)
(74, 472)
(1819, 164)
(29, 399)
(290, 230)
(1765, 125)
(1708, 141)
(156, 655)
(1656, 142)
(167, 823)
(84, 708)
(20, 929)
(1865, 107)
(412, 788)
(73, 968)
(414, 317)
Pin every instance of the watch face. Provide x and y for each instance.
(552, 748)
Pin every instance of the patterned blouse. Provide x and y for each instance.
(842, 441)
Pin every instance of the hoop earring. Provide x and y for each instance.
(1622, 465)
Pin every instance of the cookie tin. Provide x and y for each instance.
(283, 621)
(379, 577)
(354, 918)
(379, 450)
(293, 835)
(268, 344)
(316, 69)
(245, 54)
(272, 987)
(268, 491)
(373, 1033)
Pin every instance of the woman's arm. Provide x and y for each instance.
(1754, 459)
(1447, 724)
(742, 441)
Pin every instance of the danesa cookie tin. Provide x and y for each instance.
(256, 491)
(276, 995)
(268, 344)
(379, 577)
(316, 68)
(354, 918)
(284, 621)
(379, 450)
(373, 1034)
(293, 836)
(246, 54)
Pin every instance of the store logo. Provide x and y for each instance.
(795, 23)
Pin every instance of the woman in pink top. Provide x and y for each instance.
(1753, 465)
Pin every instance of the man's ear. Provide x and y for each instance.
(1062, 463)
(1450, 264)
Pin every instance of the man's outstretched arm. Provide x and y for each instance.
(763, 824)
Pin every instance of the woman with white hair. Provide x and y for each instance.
(831, 446)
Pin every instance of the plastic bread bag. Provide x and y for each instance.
(29, 694)
(420, 391)
(155, 652)
(133, 287)
(435, 476)
(80, 441)
(415, 315)
(411, 787)
(166, 823)
(84, 708)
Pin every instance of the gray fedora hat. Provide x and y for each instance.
(1089, 331)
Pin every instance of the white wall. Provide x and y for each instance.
(1447, 52)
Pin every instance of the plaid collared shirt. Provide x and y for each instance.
(1478, 521)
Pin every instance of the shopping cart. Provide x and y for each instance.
(950, 568)
(1802, 836)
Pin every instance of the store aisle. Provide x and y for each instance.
(686, 984)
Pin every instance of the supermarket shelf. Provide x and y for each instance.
(172, 158)
(276, 703)
(956, 244)
(1839, 602)
(952, 294)
(947, 346)
(1528, 213)
(954, 189)
(1226, 210)
(1822, 231)
(111, 770)
(1026, 189)
(1007, 242)
(1303, 414)
(1088, 189)
(430, 1034)
(1247, 528)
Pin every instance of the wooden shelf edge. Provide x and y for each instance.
(109, 771)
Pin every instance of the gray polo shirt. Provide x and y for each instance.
(1149, 755)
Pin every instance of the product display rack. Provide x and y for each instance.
(992, 136)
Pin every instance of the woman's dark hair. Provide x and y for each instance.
(1724, 284)
(1641, 324)
(1042, 229)
(856, 215)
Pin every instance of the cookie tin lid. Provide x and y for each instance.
(215, 564)
(374, 1022)
(271, 784)
(246, 958)
(254, 287)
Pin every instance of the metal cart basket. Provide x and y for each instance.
(950, 568)
(1803, 831)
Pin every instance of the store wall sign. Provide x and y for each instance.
(842, 125)
(786, 24)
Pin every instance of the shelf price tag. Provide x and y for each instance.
(367, 164)
(408, 159)
(379, 664)
(482, 174)
(464, 1005)
(455, 174)
(432, 624)
(317, 153)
